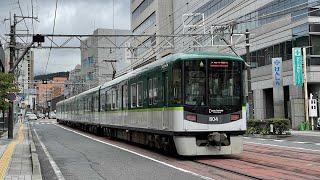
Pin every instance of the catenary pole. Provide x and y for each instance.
(11, 63)
(248, 59)
(305, 85)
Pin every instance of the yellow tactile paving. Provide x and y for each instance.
(5, 159)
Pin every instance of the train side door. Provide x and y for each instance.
(165, 113)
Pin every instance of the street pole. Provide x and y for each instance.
(305, 85)
(12, 58)
(248, 59)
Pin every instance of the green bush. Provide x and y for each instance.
(263, 127)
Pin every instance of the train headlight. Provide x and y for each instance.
(234, 117)
(191, 117)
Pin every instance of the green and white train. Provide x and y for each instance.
(192, 103)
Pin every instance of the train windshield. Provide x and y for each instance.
(224, 83)
(195, 83)
(212, 83)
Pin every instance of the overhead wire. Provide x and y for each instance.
(262, 17)
(166, 22)
(53, 29)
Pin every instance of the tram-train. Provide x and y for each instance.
(190, 103)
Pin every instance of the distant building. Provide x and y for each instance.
(46, 92)
(151, 17)
(75, 84)
(97, 54)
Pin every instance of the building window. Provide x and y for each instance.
(210, 8)
(137, 12)
(151, 20)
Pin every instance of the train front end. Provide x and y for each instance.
(214, 112)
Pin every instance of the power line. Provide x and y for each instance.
(32, 16)
(23, 18)
(53, 28)
(264, 17)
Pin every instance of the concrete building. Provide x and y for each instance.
(96, 55)
(276, 26)
(150, 17)
(74, 85)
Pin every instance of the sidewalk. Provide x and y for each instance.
(17, 162)
(306, 133)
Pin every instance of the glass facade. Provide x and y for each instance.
(298, 9)
(151, 20)
(136, 13)
(211, 7)
(147, 43)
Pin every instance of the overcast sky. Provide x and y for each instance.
(73, 17)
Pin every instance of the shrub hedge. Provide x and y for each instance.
(263, 126)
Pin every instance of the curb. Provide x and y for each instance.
(36, 168)
(266, 136)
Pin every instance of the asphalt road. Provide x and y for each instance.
(79, 157)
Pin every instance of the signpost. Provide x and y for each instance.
(313, 109)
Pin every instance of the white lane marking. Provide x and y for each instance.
(52, 162)
(282, 140)
(300, 142)
(133, 152)
(298, 148)
(278, 140)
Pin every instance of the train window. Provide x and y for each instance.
(102, 101)
(114, 99)
(140, 94)
(176, 83)
(155, 90)
(134, 95)
(124, 96)
(109, 99)
(150, 92)
(118, 104)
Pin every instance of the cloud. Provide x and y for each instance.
(73, 17)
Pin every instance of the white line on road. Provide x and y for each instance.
(278, 140)
(314, 150)
(301, 142)
(133, 152)
(52, 162)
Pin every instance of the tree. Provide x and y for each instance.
(6, 87)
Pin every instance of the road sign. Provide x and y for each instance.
(313, 107)
(297, 66)
(277, 71)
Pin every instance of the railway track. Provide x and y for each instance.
(258, 162)
(239, 173)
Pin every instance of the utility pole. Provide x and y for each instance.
(305, 85)
(13, 64)
(248, 59)
(12, 58)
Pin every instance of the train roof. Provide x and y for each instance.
(160, 62)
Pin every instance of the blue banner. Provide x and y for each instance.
(297, 67)
(277, 71)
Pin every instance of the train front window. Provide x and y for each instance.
(195, 83)
(224, 83)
